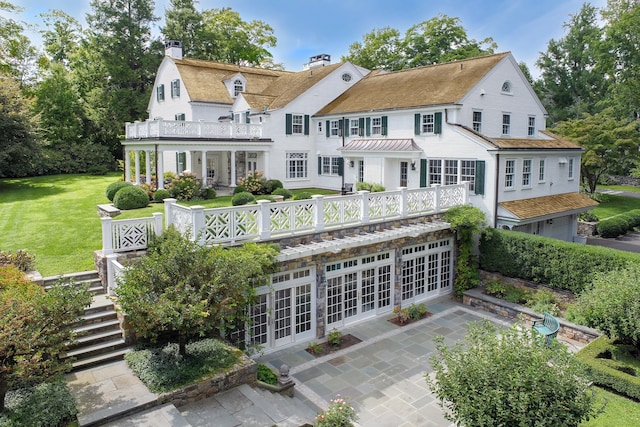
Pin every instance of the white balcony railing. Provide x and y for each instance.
(267, 220)
(183, 129)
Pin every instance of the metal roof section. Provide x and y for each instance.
(384, 145)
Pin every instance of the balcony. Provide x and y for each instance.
(175, 129)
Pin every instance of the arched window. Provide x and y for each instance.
(238, 87)
(506, 87)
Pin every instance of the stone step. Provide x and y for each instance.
(96, 337)
(162, 416)
(100, 359)
(97, 317)
(96, 349)
(81, 276)
(97, 327)
(259, 400)
(99, 303)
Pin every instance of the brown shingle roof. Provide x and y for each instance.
(431, 85)
(555, 141)
(547, 205)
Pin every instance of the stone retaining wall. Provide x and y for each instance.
(477, 299)
(243, 372)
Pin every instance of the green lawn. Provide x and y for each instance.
(628, 188)
(618, 412)
(611, 205)
(55, 217)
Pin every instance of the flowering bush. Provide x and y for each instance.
(339, 414)
(254, 182)
(185, 187)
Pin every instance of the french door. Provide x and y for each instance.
(426, 271)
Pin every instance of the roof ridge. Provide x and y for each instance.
(421, 67)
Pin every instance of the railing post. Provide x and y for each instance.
(107, 240)
(168, 205)
(404, 202)
(466, 193)
(112, 283)
(264, 219)
(157, 223)
(197, 221)
(364, 206)
(318, 212)
(436, 197)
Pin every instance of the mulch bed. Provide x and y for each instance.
(325, 348)
(396, 321)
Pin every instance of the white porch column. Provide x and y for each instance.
(137, 153)
(160, 170)
(127, 165)
(233, 169)
(203, 157)
(147, 166)
(265, 159)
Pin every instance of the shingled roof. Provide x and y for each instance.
(547, 205)
(415, 87)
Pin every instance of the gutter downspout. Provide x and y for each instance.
(495, 202)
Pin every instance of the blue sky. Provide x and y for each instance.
(306, 28)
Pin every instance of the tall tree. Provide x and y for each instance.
(17, 55)
(572, 77)
(62, 36)
(381, 48)
(184, 23)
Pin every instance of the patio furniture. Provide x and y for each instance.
(548, 327)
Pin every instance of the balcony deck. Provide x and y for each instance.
(180, 129)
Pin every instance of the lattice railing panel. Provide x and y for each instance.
(451, 196)
(131, 235)
(420, 201)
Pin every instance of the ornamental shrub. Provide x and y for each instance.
(185, 187)
(242, 199)
(339, 414)
(113, 188)
(272, 185)
(254, 182)
(160, 195)
(302, 196)
(44, 405)
(287, 194)
(131, 197)
(21, 259)
(266, 375)
(612, 227)
(240, 189)
(210, 193)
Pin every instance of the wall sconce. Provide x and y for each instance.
(413, 165)
(199, 161)
(351, 163)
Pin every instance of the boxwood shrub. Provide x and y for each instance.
(272, 185)
(242, 199)
(612, 227)
(43, 405)
(113, 188)
(611, 365)
(558, 264)
(287, 194)
(304, 195)
(160, 195)
(131, 198)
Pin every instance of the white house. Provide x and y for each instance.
(475, 120)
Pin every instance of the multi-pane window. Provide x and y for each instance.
(428, 121)
(450, 172)
(376, 125)
(238, 87)
(296, 165)
(320, 126)
(354, 127)
(435, 171)
(330, 165)
(526, 173)
(570, 168)
(335, 127)
(506, 124)
(468, 173)
(160, 92)
(360, 170)
(175, 88)
(531, 128)
(404, 173)
(477, 121)
(297, 123)
(541, 171)
(509, 173)
(180, 116)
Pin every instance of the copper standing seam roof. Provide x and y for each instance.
(548, 205)
(381, 145)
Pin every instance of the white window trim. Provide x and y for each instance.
(294, 123)
(524, 162)
(571, 173)
(504, 124)
(376, 126)
(473, 122)
(512, 174)
(304, 159)
(332, 165)
(543, 163)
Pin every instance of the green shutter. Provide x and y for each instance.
(306, 124)
(328, 129)
(385, 123)
(246, 117)
(437, 126)
(347, 125)
(479, 185)
(288, 124)
(367, 128)
(423, 172)
(340, 166)
(417, 123)
(340, 127)
(319, 165)
(361, 126)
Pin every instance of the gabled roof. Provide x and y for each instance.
(548, 205)
(439, 84)
(204, 82)
(551, 141)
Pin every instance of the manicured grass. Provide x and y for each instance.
(628, 188)
(611, 205)
(618, 412)
(55, 218)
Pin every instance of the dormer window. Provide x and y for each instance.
(506, 87)
(238, 86)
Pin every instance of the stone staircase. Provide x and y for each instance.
(98, 336)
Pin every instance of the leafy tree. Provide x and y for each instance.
(381, 48)
(466, 221)
(184, 23)
(17, 55)
(612, 304)
(509, 378)
(62, 36)
(572, 77)
(19, 147)
(186, 289)
(610, 144)
(35, 326)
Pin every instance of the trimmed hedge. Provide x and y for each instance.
(610, 372)
(160, 195)
(287, 194)
(558, 264)
(131, 198)
(242, 199)
(114, 187)
(272, 185)
(619, 225)
(304, 195)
